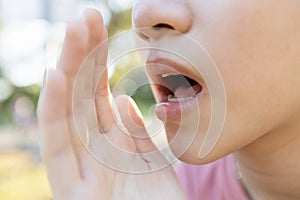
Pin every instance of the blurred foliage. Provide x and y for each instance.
(7, 105)
(119, 22)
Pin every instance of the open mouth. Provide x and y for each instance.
(176, 88)
(173, 82)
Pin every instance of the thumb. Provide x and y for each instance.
(133, 121)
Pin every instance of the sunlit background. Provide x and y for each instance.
(31, 33)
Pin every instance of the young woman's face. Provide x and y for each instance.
(256, 46)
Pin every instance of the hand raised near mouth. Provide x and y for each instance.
(73, 172)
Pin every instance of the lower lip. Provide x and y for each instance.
(169, 111)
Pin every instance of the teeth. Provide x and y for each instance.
(169, 74)
(173, 99)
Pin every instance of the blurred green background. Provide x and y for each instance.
(31, 34)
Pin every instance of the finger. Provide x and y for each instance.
(103, 95)
(133, 122)
(95, 62)
(92, 81)
(80, 62)
(103, 99)
(81, 37)
(56, 146)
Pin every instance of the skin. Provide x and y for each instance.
(255, 45)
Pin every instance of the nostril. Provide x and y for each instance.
(153, 32)
(162, 25)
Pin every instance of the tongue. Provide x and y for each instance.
(185, 92)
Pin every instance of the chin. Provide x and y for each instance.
(191, 157)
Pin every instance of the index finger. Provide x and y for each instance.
(81, 37)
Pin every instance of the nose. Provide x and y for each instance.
(170, 14)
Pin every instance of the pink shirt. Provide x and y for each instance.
(214, 181)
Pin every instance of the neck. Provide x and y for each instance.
(270, 165)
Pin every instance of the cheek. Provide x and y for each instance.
(256, 59)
